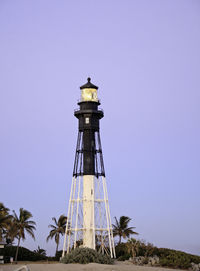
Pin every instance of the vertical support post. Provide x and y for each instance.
(67, 224)
(100, 212)
(111, 231)
(72, 209)
(77, 209)
(108, 226)
(93, 213)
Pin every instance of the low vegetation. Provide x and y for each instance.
(24, 254)
(40, 251)
(135, 249)
(176, 259)
(86, 255)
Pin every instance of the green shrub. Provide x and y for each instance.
(124, 257)
(58, 255)
(167, 257)
(86, 255)
(24, 254)
(176, 259)
(122, 250)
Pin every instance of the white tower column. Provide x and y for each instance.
(88, 211)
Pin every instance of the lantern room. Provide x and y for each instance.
(89, 92)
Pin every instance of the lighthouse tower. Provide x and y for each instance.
(89, 222)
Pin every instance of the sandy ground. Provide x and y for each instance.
(118, 266)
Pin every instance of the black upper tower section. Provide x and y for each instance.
(88, 149)
(88, 113)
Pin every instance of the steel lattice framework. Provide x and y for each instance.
(103, 234)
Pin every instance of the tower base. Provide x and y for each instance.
(88, 219)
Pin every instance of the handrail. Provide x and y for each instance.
(78, 109)
(81, 100)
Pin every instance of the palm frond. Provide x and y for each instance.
(30, 232)
(52, 226)
(54, 219)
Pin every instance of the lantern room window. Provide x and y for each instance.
(89, 94)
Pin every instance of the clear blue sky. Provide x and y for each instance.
(145, 57)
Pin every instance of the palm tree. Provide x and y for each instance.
(4, 219)
(58, 229)
(121, 228)
(11, 231)
(40, 251)
(133, 246)
(23, 225)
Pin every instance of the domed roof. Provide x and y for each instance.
(89, 84)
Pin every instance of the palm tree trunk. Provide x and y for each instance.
(120, 239)
(17, 251)
(57, 242)
(57, 247)
(133, 252)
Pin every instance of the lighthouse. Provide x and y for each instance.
(88, 218)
